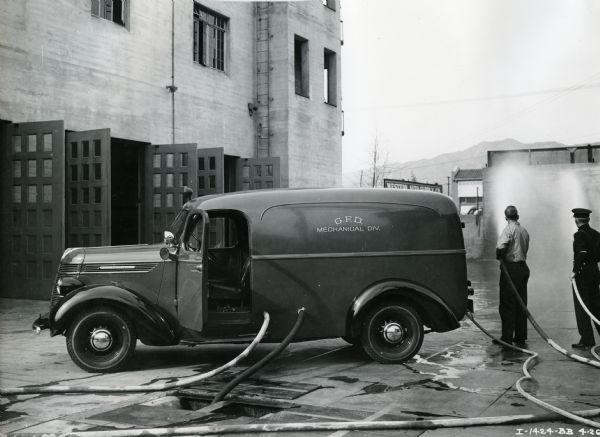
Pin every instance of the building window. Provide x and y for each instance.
(301, 65)
(210, 37)
(112, 10)
(329, 77)
(329, 3)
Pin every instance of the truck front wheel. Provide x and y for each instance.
(101, 340)
(392, 332)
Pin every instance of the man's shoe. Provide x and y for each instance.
(521, 344)
(581, 346)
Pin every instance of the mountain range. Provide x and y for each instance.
(439, 168)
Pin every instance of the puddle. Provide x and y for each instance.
(344, 379)
(235, 409)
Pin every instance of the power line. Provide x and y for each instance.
(470, 99)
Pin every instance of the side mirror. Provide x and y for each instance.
(168, 238)
(166, 254)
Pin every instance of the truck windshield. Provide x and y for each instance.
(194, 233)
(176, 228)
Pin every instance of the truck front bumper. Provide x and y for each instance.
(41, 323)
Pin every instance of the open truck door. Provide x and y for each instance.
(192, 286)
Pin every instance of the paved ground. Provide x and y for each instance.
(456, 374)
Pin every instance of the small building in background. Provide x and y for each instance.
(467, 190)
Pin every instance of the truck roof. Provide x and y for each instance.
(258, 201)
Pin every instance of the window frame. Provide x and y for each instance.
(105, 9)
(205, 22)
(330, 94)
(301, 66)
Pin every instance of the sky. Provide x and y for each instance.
(427, 77)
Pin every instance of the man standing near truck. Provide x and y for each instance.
(512, 248)
(586, 245)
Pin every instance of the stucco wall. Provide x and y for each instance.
(59, 62)
(313, 128)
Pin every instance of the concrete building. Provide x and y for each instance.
(467, 189)
(108, 108)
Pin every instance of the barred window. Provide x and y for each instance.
(210, 37)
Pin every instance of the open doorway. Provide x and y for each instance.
(229, 181)
(126, 176)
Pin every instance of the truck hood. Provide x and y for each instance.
(141, 253)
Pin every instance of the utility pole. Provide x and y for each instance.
(448, 185)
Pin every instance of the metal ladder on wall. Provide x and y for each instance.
(263, 73)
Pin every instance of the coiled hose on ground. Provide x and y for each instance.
(143, 388)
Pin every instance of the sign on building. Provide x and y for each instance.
(401, 184)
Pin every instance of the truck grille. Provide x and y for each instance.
(65, 269)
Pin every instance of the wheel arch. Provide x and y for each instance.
(152, 326)
(431, 308)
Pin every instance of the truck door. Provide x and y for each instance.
(191, 277)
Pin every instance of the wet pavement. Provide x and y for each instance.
(458, 374)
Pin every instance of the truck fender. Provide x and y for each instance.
(153, 328)
(414, 293)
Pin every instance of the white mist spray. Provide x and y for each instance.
(544, 196)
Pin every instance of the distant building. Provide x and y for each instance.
(109, 108)
(580, 154)
(467, 189)
(401, 184)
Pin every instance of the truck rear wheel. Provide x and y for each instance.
(392, 332)
(101, 340)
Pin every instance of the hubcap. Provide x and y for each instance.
(393, 332)
(101, 339)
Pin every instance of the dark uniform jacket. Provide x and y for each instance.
(584, 241)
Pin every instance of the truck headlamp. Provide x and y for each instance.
(65, 285)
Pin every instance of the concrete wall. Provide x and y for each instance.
(473, 235)
(59, 62)
(313, 128)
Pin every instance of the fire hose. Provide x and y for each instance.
(260, 364)
(144, 388)
(579, 416)
(589, 313)
(533, 360)
(539, 329)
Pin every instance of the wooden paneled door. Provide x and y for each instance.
(87, 188)
(210, 171)
(168, 169)
(32, 234)
(257, 173)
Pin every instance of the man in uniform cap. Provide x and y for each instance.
(587, 276)
(512, 248)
